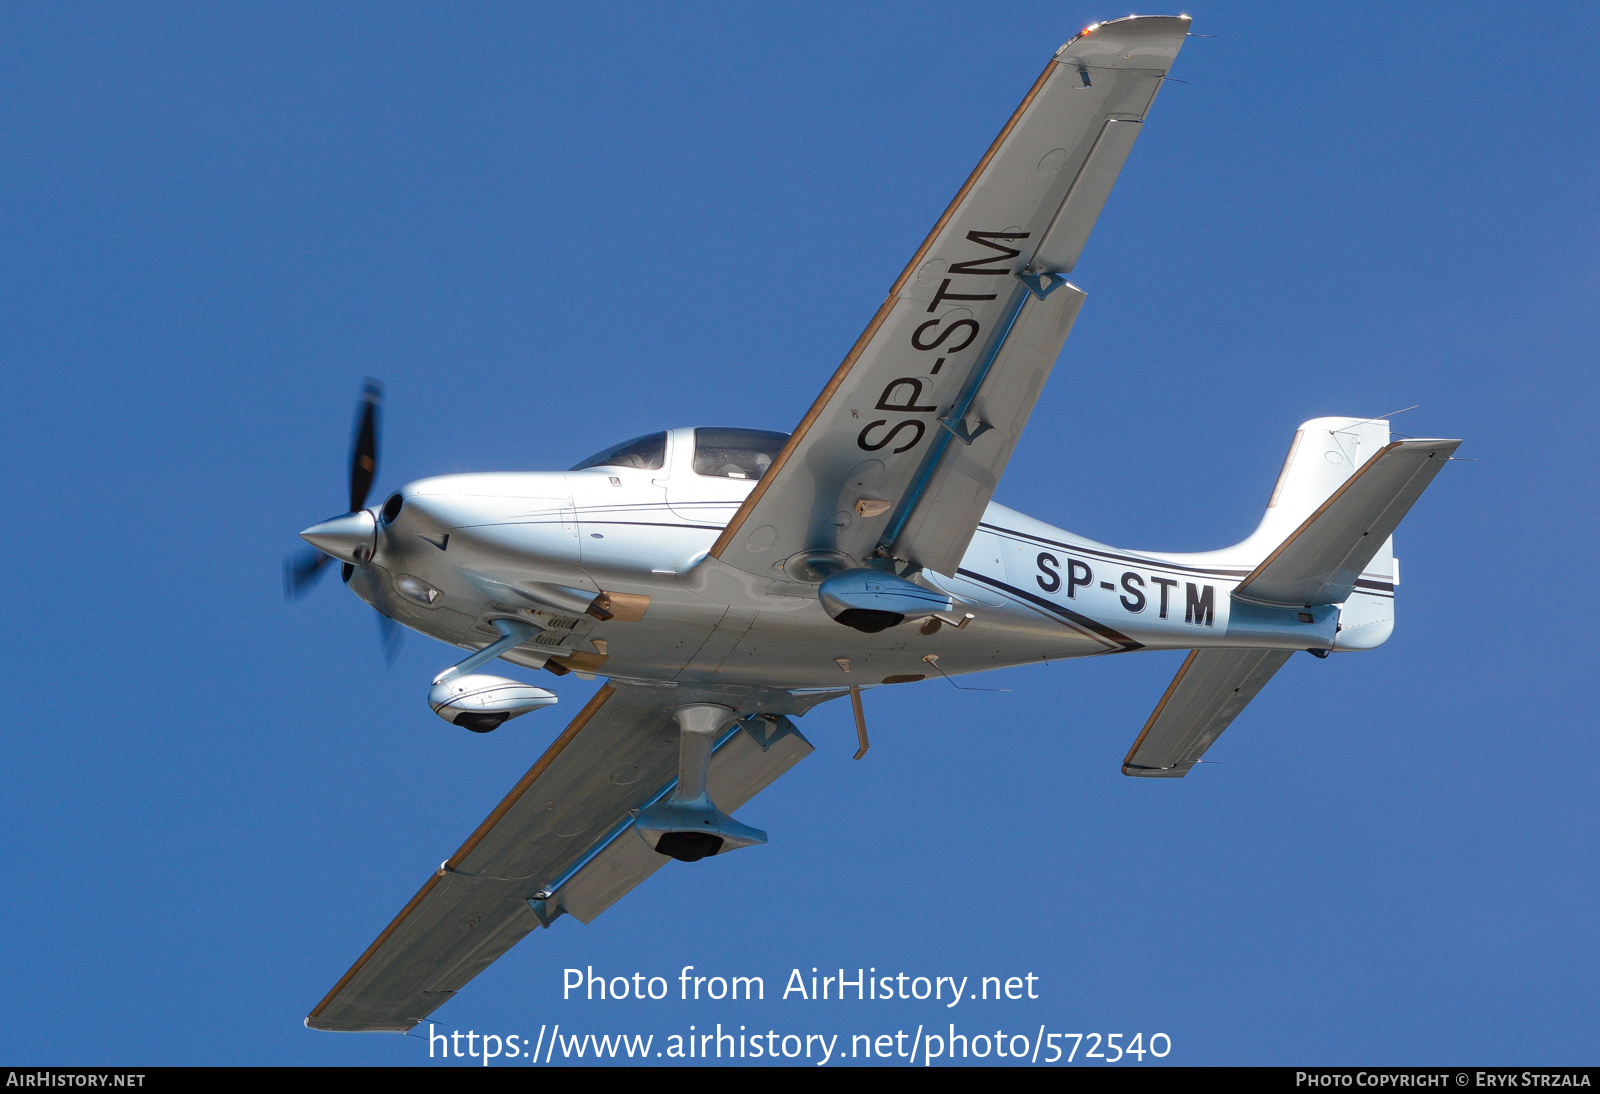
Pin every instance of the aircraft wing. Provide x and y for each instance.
(561, 841)
(1208, 693)
(1320, 561)
(901, 452)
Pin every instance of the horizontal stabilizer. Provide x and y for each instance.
(1320, 560)
(1208, 693)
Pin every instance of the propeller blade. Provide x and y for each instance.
(364, 451)
(392, 637)
(301, 571)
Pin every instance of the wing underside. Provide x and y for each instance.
(897, 458)
(900, 453)
(560, 842)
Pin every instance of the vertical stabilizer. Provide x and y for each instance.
(1324, 454)
(1342, 552)
(1328, 459)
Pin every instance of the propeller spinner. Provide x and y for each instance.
(351, 537)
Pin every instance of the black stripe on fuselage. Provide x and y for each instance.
(587, 516)
(647, 524)
(608, 523)
(1110, 634)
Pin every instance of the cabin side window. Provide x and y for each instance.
(736, 453)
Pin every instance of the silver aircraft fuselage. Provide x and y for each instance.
(463, 549)
(728, 580)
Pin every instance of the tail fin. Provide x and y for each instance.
(1326, 540)
(1329, 527)
(1326, 537)
(1324, 454)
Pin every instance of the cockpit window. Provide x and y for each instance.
(647, 453)
(736, 453)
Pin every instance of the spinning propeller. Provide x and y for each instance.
(348, 538)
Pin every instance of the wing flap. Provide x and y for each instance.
(945, 518)
(742, 767)
(1320, 561)
(1210, 690)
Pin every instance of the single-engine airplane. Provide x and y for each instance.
(725, 581)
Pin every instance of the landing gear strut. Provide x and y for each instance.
(688, 826)
(481, 703)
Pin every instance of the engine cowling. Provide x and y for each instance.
(482, 703)
(874, 600)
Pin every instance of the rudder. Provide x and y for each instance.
(1324, 454)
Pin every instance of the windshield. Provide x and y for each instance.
(736, 453)
(648, 453)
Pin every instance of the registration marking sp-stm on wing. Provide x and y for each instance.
(725, 580)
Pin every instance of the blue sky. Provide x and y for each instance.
(547, 230)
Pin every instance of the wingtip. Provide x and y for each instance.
(352, 1027)
(1177, 771)
(1133, 39)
